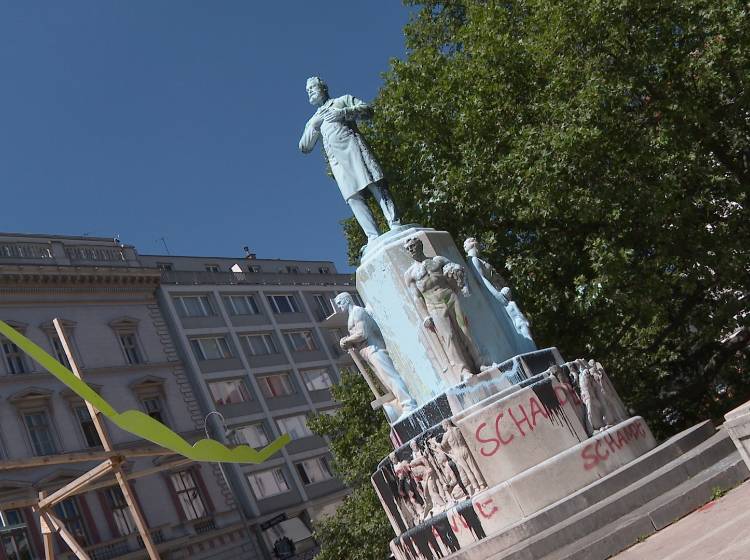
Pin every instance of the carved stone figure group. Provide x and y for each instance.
(599, 398)
(441, 472)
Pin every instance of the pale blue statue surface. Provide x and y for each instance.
(352, 162)
(497, 288)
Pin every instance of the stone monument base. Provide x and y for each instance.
(614, 512)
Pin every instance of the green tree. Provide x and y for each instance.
(359, 530)
(600, 151)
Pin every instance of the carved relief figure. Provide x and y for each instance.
(606, 394)
(366, 339)
(352, 162)
(454, 445)
(407, 492)
(436, 286)
(424, 473)
(498, 288)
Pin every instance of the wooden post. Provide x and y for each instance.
(66, 535)
(101, 429)
(380, 400)
(47, 533)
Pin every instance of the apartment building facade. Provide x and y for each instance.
(251, 334)
(107, 301)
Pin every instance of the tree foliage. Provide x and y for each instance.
(359, 530)
(600, 150)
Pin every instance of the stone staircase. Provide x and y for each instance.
(615, 512)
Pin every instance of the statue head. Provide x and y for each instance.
(392, 457)
(317, 91)
(413, 444)
(471, 246)
(445, 424)
(344, 301)
(414, 247)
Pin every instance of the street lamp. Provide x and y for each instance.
(228, 436)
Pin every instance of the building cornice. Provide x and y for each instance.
(28, 277)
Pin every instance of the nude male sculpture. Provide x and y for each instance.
(432, 282)
(352, 162)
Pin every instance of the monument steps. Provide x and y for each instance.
(656, 514)
(680, 462)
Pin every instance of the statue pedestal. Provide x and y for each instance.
(416, 351)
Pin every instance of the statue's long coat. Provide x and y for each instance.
(352, 162)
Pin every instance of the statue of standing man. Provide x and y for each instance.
(352, 162)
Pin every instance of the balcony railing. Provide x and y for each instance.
(190, 277)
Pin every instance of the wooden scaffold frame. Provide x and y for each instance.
(113, 463)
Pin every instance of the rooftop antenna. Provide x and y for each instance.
(164, 241)
(248, 254)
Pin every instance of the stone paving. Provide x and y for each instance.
(720, 530)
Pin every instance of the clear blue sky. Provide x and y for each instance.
(178, 119)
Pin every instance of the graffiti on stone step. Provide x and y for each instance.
(605, 445)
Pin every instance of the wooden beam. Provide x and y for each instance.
(82, 457)
(121, 478)
(66, 535)
(47, 534)
(32, 502)
(79, 483)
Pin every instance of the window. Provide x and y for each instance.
(59, 351)
(324, 270)
(211, 348)
(129, 344)
(14, 358)
(188, 495)
(322, 306)
(212, 268)
(241, 305)
(253, 268)
(87, 426)
(118, 507)
(291, 269)
(316, 379)
(276, 385)
(154, 408)
(301, 341)
(194, 306)
(283, 303)
(229, 391)
(357, 299)
(14, 536)
(40, 432)
(314, 470)
(164, 266)
(261, 344)
(295, 426)
(69, 513)
(268, 483)
(254, 435)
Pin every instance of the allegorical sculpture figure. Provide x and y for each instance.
(436, 286)
(454, 445)
(352, 162)
(427, 476)
(501, 292)
(367, 340)
(407, 490)
(597, 394)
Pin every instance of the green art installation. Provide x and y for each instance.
(139, 423)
